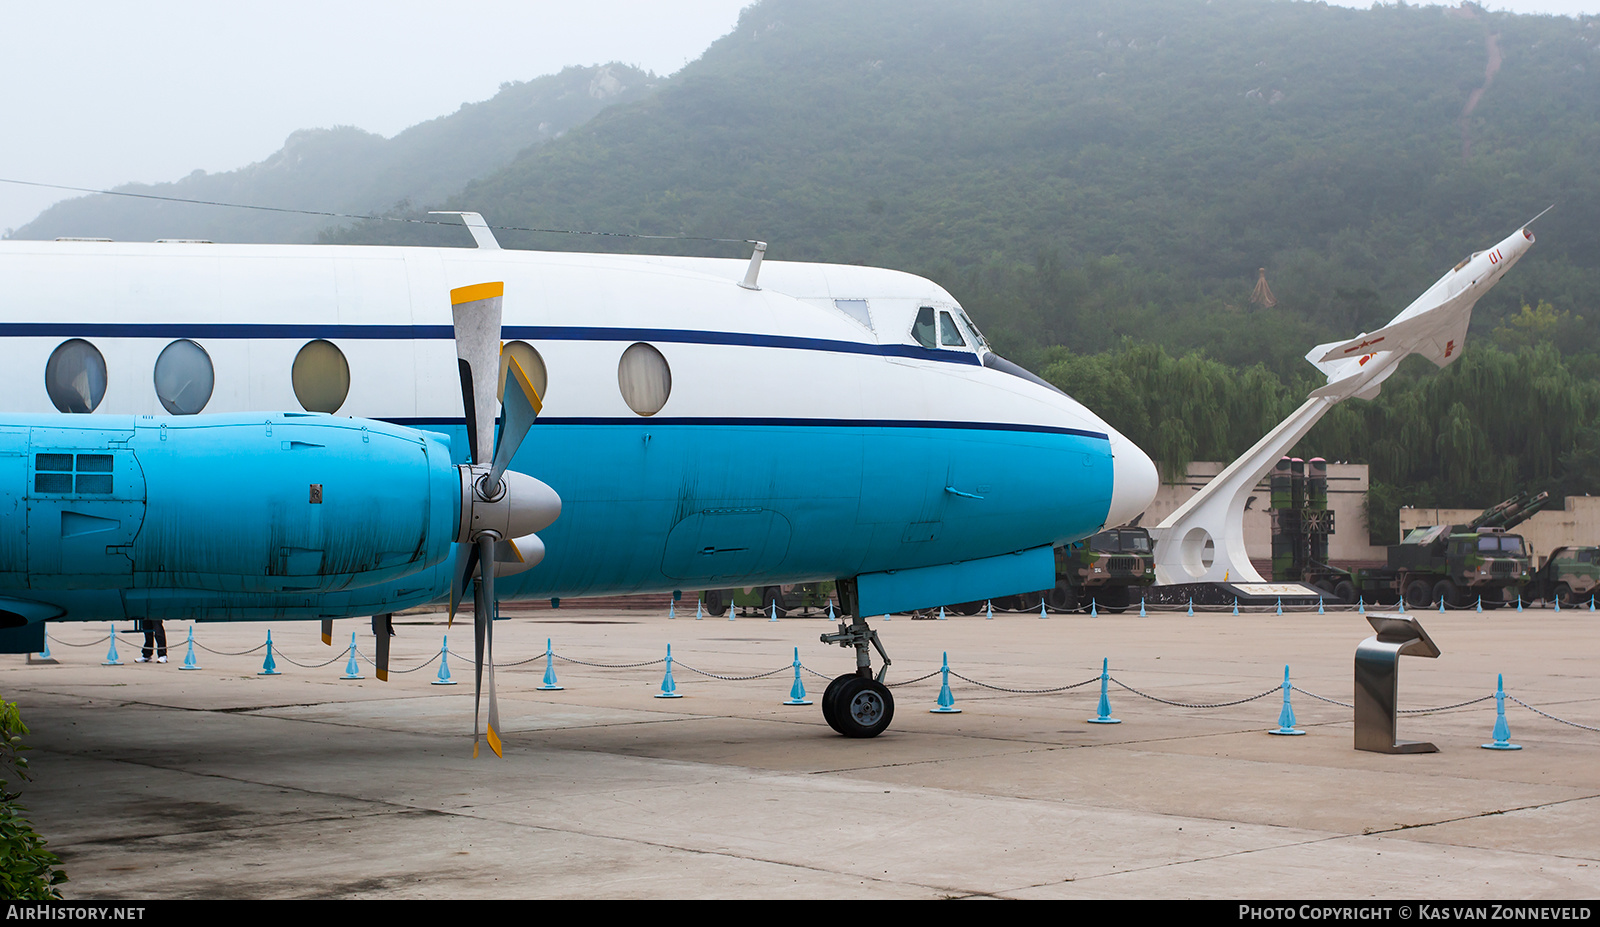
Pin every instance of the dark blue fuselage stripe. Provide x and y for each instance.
(199, 331)
(716, 421)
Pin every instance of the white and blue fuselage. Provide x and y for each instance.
(836, 422)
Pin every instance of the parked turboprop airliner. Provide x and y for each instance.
(701, 423)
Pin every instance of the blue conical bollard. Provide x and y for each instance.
(1041, 609)
(941, 613)
(1141, 606)
(885, 617)
(947, 701)
(774, 611)
(443, 679)
(45, 653)
(1441, 605)
(1319, 606)
(1480, 604)
(669, 689)
(352, 669)
(1519, 601)
(1557, 602)
(1361, 605)
(1591, 603)
(188, 658)
(1280, 605)
(111, 655)
(733, 608)
(797, 692)
(988, 608)
(672, 610)
(699, 613)
(830, 611)
(550, 684)
(1191, 606)
(1502, 733)
(1094, 611)
(269, 666)
(1104, 715)
(1235, 606)
(1402, 604)
(1286, 716)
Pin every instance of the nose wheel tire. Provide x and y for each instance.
(858, 707)
(829, 714)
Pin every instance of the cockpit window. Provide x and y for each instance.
(922, 328)
(949, 335)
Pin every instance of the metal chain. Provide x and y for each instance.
(292, 662)
(1016, 691)
(95, 642)
(607, 665)
(1187, 705)
(1550, 716)
(732, 678)
(907, 682)
(1423, 711)
(1321, 698)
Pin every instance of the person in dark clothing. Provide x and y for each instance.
(155, 641)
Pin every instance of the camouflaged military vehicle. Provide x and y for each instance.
(1569, 575)
(1103, 570)
(1459, 565)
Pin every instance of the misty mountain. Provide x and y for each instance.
(348, 170)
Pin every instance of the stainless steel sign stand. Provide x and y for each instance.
(1378, 682)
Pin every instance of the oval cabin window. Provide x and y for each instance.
(321, 377)
(75, 376)
(644, 378)
(531, 363)
(184, 377)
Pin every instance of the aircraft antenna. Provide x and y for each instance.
(749, 281)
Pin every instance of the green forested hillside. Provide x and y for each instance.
(347, 170)
(1081, 172)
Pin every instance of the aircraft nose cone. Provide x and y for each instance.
(1134, 481)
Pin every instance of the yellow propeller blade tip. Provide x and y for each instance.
(475, 292)
(494, 743)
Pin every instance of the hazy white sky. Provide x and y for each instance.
(103, 92)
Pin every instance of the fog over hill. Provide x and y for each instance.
(347, 170)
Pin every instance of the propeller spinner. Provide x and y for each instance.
(500, 507)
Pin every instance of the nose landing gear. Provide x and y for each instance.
(857, 704)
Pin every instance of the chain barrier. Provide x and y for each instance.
(1163, 701)
(291, 661)
(1322, 698)
(1550, 716)
(680, 663)
(437, 655)
(1016, 691)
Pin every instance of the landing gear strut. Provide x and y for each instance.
(857, 704)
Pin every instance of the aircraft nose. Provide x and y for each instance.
(1134, 481)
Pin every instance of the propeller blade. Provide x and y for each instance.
(476, 310)
(465, 562)
(327, 631)
(483, 635)
(382, 630)
(521, 406)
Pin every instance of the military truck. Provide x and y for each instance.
(1099, 571)
(1570, 575)
(796, 597)
(1457, 564)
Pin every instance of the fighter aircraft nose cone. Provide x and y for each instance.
(1134, 481)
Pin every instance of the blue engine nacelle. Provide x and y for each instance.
(247, 503)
